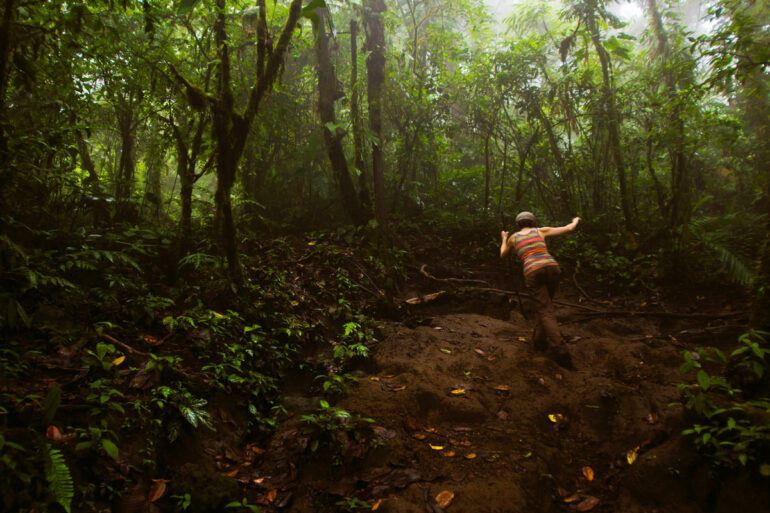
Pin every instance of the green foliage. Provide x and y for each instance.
(731, 425)
(333, 429)
(732, 239)
(59, 478)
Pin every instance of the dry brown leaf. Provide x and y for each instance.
(398, 389)
(588, 472)
(388, 376)
(480, 351)
(232, 473)
(53, 433)
(419, 436)
(588, 504)
(430, 430)
(449, 454)
(502, 388)
(149, 339)
(158, 489)
(272, 494)
(470, 456)
(444, 499)
(413, 301)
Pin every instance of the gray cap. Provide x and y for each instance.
(525, 215)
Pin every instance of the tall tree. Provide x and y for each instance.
(230, 125)
(375, 66)
(329, 91)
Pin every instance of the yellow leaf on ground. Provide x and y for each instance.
(232, 473)
(470, 456)
(436, 447)
(447, 351)
(430, 430)
(572, 498)
(631, 457)
(312, 243)
(419, 436)
(444, 499)
(458, 391)
(522, 339)
(374, 378)
(588, 472)
(449, 454)
(376, 505)
(555, 417)
(118, 360)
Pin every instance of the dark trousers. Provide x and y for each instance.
(543, 284)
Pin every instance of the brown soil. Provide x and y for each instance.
(462, 403)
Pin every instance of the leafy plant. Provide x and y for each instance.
(59, 478)
(335, 429)
(730, 424)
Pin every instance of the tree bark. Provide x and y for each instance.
(327, 95)
(375, 65)
(355, 115)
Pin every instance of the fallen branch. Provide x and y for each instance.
(124, 345)
(449, 280)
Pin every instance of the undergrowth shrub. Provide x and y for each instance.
(729, 403)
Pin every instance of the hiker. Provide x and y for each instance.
(541, 276)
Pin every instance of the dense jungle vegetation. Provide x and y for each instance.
(205, 202)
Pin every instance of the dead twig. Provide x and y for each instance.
(124, 345)
(449, 280)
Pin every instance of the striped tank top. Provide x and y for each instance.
(532, 251)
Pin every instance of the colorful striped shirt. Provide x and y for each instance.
(532, 251)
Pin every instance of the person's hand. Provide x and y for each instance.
(576, 220)
(504, 235)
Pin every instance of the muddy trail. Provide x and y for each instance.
(469, 418)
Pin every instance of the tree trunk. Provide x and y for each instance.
(328, 92)
(375, 65)
(613, 123)
(6, 46)
(355, 115)
(124, 178)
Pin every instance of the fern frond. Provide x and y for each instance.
(59, 478)
(729, 239)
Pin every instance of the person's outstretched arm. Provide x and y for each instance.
(547, 231)
(505, 248)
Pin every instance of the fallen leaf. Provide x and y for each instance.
(410, 424)
(272, 494)
(232, 473)
(631, 457)
(398, 389)
(572, 498)
(430, 430)
(117, 361)
(149, 339)
(444, 499)
(470, 456)
(436, 447)
(502, 388)
(158, 489)
(522, 339)
(462, 429)
(458, 391)
(312, 243)
(419, 436)
(447, 351)
(53, 433)
(555, 417)
(588, 504)
(449, 454)
(376, 505)
(464, 443)
(258, 481)
(588, 472)
(413, 301)
(257, 450)
(480, 351)
(374, 378)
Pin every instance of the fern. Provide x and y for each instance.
(59, 478)
(730, 240)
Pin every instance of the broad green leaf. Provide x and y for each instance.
(110, 448)
(703, 380)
